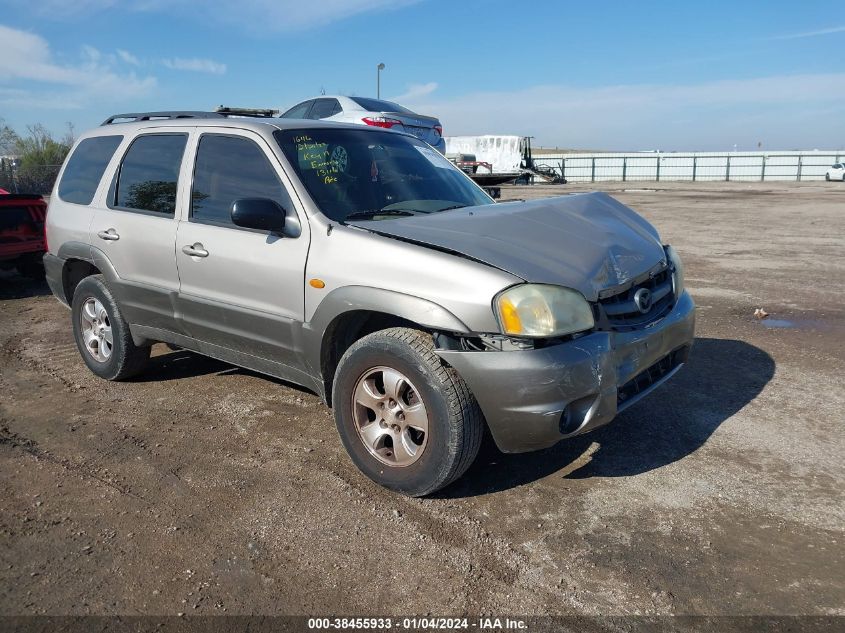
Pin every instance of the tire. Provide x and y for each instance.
(454, 423)
(827, 177)
(117, 360)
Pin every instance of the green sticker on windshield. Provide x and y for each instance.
(315, 157)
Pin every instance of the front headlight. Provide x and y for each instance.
(677, 270)
(542, 311)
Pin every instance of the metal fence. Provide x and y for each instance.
(29, 179)
(699, 166)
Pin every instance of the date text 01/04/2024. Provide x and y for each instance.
(418, 623)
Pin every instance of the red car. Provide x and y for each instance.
(22, 241)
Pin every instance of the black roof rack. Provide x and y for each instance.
(256, 112)
(131, 117)
(221, 113)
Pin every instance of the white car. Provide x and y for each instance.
(837, 172)
(375, 112)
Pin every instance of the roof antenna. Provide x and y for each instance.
(322, 90)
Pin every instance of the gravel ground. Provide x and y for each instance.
(200, 488)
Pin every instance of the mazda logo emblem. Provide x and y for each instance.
(642, 299)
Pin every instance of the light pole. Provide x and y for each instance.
(379, 68)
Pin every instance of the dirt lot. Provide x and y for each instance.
(204, 489)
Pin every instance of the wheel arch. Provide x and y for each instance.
(81, 261)
(348, 314)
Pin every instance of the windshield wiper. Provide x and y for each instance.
(370, 214)
(454, 206)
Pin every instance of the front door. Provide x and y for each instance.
(241, 289)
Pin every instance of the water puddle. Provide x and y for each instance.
(795, 324)
(778, 323)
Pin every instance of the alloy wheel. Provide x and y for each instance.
(96, 330)
(390, 416)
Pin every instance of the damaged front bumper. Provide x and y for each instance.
(534, 398)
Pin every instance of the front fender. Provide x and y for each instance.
(351, 298)
(368, 299)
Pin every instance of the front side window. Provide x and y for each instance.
(368, 174)
(229, 168)
(149, 174)
(85, 168)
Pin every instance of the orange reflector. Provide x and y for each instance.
(317, 283)
(510, 317)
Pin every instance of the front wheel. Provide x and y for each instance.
(408, 421)
(827, 177)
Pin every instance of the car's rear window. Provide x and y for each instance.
(85, 168)
(378, 105)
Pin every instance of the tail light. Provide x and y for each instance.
(439, 129)
(381, 121)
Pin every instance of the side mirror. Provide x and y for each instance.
(258, 213)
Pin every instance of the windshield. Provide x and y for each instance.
(369, 175)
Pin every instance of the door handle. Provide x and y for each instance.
(110, 235)
(195, 250)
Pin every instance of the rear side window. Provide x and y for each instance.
(324, 108)
(298, 111)
(85, 168)
(229, 168)
(149, 174)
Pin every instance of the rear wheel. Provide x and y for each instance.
(827, 177)
(408, 421)
(101, 333)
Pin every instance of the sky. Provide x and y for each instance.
(706, 76)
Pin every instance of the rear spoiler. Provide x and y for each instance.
(414, 115)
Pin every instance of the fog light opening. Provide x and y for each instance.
(576, 414)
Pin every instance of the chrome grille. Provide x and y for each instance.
(622, 312)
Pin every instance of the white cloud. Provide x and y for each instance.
(781, 111)
(416, 92)
(91, 54)
(27, 57)
(128, 57)
(195, 64)
(795, 36)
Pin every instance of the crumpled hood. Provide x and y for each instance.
(588, 241)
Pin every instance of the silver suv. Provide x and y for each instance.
(364, 266)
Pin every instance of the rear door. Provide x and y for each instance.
(136, 228)
(245, 290)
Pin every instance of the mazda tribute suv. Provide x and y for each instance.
(364, 266)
